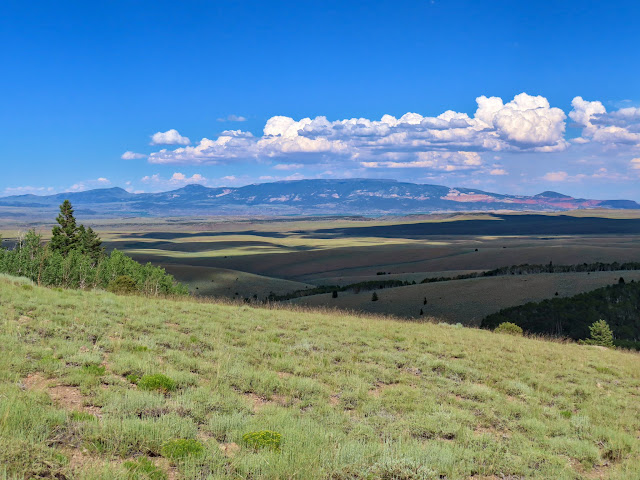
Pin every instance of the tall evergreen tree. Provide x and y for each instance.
(65, 234)
(90, 243)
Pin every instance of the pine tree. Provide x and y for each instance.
(65, 234)
(90, 243)
(374, 297)
(601, 334)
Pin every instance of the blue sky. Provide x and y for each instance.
(515, 97)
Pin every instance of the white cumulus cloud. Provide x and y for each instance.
(618, 128)
(177, 179)
(28, 190)
(170, 137)
(556, 176)
(129, 155)
(288, 166)
(233, 118)
(527, 123)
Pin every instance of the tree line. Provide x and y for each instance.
(334, 289)
(618, 305)
(75, 258)
(530, 269)
(524, 269)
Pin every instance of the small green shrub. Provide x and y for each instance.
(181, 448)
(123, 284)
(262, 439)
(601, 335)
(133, 378)
(158, 382)
(144, 469)
(509, 328)
(97, 370)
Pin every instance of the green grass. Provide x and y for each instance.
(158, 382)
(352, 397)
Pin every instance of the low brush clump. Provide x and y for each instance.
(181, 448)
(262, 439)
(509, 328)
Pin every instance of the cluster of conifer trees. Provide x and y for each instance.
(618, 305)
(75, 258)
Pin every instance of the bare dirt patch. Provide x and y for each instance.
(163, 464)
(260, 402)
(81, 459)
(380, 388)
(65, 396)
(598, 472)
(229, 450)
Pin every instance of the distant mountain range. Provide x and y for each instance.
(306, 197)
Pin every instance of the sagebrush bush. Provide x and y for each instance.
(509, 328)
(262, 439)
(158, 382)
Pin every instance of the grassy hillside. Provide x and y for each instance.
(468, 301)
(352, 397)
(219, 282)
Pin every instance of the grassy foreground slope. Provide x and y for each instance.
(352, 397)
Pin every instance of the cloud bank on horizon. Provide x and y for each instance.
(524, 141)
(448, 143)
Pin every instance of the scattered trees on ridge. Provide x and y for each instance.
(75, 258)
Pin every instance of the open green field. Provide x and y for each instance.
(352, 397)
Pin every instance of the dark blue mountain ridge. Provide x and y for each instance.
(357, 196)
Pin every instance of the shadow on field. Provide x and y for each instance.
(503, 225)
(175, 235)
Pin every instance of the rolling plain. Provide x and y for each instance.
(127, 387)
(247, 259)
